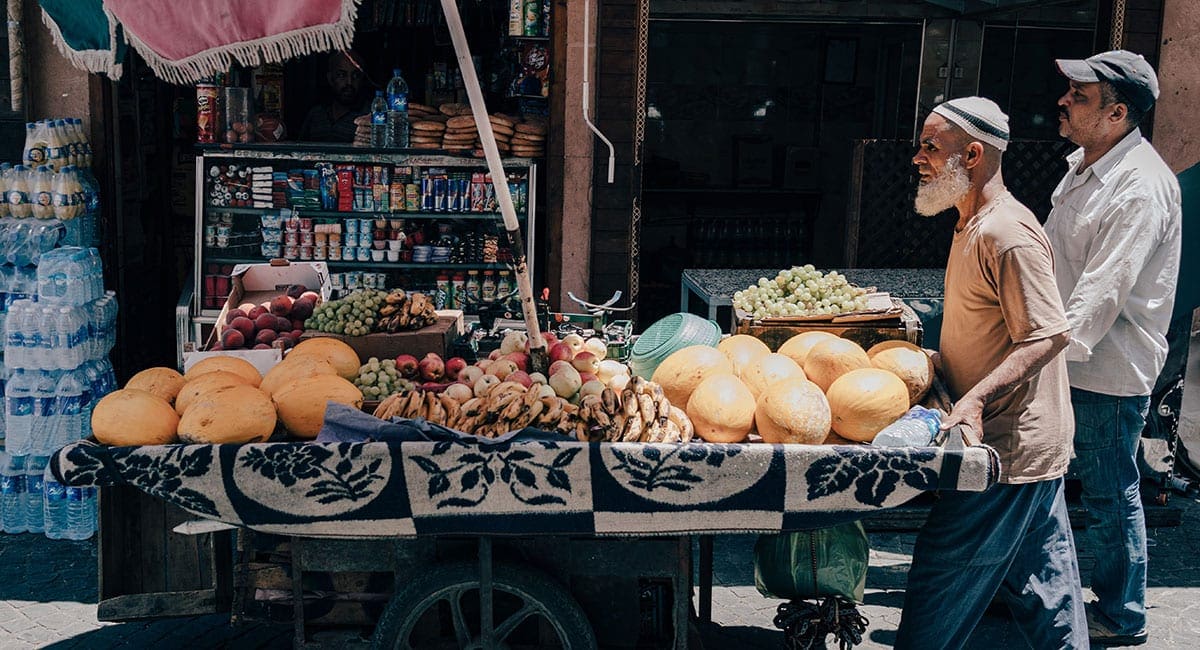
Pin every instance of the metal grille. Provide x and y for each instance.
(639, 143)
(882, 231)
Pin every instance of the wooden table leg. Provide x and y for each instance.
(706, 578)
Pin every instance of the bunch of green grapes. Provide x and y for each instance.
(354, 315)
(379, 379)
(801, 291)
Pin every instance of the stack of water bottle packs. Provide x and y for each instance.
(56, 345)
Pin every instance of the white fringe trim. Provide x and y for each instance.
(94, 61)
(269, 49)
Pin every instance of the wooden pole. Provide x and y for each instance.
(16, 56)
(539, 359)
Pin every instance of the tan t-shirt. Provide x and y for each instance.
(1000, 291)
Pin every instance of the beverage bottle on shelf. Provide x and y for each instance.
(18, 410)
(58, 153)
(37, 143)
(80, 504)
(18, 193)
(35, 470)
(397, 110)
(12, 493)
(916, 428)
(45, 412)
(5, 175)
(54, 506)
(42, 198)
(32, 325)
(69, 411)
(379, 121)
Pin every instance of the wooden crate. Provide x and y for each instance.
(905, 327)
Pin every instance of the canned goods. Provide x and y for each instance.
(426, 194)
(335, 239)
(320, 239)
(292, 224)
(440, 194)
(206, 113)
(320, 252)
(453, 196)
(210, 236)
(412, 197)
(306, 252)
(306, 238)
(291, 251)
(291, 238)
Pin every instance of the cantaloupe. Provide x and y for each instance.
(133, 417)
(792, 411)
(864, 401)
(232, 415)
(832, 358)
(798, 346)
(225, 364)
(301, 403)
(341, 356)
(908, 362)
(209, 381)
(721, 409)
(742, 350)
(680, 373)
(163, 382)
(768, 369)
(293, 368)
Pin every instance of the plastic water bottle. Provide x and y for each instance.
(18, 411)
(12, 493)
(69, 409)
(35, 470)
(80, 503)
(86, 403)
(379, 121)
(916, 428)
(54, 507)
(14, 335)
(45, 413)
(397, 110)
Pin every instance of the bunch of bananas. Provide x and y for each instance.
(641, 413)
(405, 311)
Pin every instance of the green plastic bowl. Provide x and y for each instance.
(668, 335)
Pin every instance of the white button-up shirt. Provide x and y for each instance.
(1115, 229)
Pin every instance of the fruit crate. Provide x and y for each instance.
(904, 326)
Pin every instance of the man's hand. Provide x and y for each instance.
(969, 413)
(936, 358)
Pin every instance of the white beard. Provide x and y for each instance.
(944, 191)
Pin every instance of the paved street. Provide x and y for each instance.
(48, 596)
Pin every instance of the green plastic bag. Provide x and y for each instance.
(784, 564)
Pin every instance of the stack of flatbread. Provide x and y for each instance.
(529, 138)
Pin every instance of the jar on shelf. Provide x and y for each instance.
(487, 288)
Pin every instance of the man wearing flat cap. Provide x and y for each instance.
(1003, 329)
(1115, 230)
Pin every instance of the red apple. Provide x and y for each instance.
(454, 366)
(281, 305)
(431, 368)
(232, 339)
(311, 295)
(585, 377)
(407, 365)
(586, 362)
(283, 324)
(296, 334)
(521, 377)
(495, 354)
(519, 358)
(561, 352)
(265, 337)
(234, 313)
(559, 366)
(575, 341)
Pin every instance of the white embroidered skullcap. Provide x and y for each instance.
(980, 117)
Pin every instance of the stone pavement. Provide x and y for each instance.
(48, 596)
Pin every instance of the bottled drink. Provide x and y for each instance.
(12, 493)
(45, 413)
(80, 503)
(379, 121)
(14, 335)
(37, 143)
(916, 428)
(69, 409)
(35, 470)
(18, 411)
(54, 506)
(57, 154)
(18, 193)
(397, 110)
(5, 175)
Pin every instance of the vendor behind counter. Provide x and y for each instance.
(347, 89)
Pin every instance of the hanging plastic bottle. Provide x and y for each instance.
(42, 197)
(36, 144)
(18, 193)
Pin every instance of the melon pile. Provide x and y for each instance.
(224, 400)
(816, 388)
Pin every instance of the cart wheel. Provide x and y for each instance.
(440, 609)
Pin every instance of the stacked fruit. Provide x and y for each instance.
(405, 311)
(371, 310)
(381, 378)
(259, 326)
(801, 291)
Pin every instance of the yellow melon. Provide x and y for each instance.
(680, 373)
(792, 411)
(832, 358)
(225, 364)
(908, 362)
(301, 403)
(133, 417)
(163, 382)
(798, 346)
(293, 368)
(209, 381)
(721, 409)
(768, 369)
(742, 350)
(864, 401)
(232, 415)
(341, 356)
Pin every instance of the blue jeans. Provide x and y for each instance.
(1107, 430)
(1013, 541)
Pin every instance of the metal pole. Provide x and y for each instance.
(539, 360)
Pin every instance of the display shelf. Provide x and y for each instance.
(318, 152)
(467, 266)
(482, 216)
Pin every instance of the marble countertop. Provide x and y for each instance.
(720, 284)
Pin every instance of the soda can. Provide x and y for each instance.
(306, 252)
(439, 194)
(489, 197)
(291, 251)
(426, 194)
(206, 113)
(453, 196)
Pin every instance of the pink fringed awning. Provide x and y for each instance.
(184, 42)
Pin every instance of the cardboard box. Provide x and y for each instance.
(262, 360)
(435, 338)
(257, 283)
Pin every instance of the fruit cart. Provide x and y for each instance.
(492, 542)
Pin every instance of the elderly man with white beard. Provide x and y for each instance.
(1003, 330)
